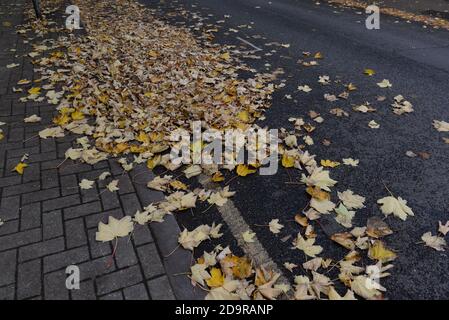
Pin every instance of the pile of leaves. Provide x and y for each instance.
(133, 80)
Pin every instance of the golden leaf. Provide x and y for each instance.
(378, 251)
(34, 90)
(217, 177)
(329, 163)
(20, 167)
(216, 279)
(243, 170)
(317, 193)
(287, 161)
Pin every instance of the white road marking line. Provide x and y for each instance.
(256, 48)
(233, 218)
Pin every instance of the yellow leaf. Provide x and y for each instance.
(152, 54)
(317, 193)
(351, 87)
(1, 135)
(77, 115)
(216, 279)
(34, 90)
(23, 81)
(143, 137)
(225, 56)
(377, 251)
(120, 147)
(137, 149)
(329, 163)
(20, 167)
(369, 72)
(318, 55)
(154, 162)
(288, 161)
(61, 119)
(149, 94)
(243, 116)
(176, 184)
(217, 177)
(243, 170)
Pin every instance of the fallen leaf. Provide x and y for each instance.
(307, 246)
(378, 251)
(398, 207)
(19, 168)
(114, 229)
(435, 242)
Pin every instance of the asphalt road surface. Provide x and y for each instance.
(413, 58)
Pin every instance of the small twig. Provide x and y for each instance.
(172, 251)
(207, 208)
(32, 137)
(229, 181)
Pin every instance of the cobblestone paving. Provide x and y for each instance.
(49, 223)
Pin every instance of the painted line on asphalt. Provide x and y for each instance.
(256, 48)
(237, 225)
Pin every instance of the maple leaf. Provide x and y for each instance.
(319, 178)
(398, 207)
(243, 170)
(351, 162)
(248, 236)
(199, 273)
(19, 168)
(55, 132)
(304, 88)
(329, 163)
(86, 184)
(442, 126)
(344, 216)
(443, 228)
(275, 226)
(32, 119)
(287, 161)
(113, 186)
(435, 242)
(322, 206)
(373, 125)
(384, 84)
(369, 72)
(114, 229)
(366, 288)
(307, 246)
(351, 200)
(216, 278)
(378, 251)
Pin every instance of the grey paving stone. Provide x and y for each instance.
(130, 204)
(9, 227)
(29, 279)
(7, 292)
(55, 286)
(93, 220)
(118, 280)
(9, 207)
(21, 188)
(150, 261)
(61, 202)
(97, 248)
(113, 296)
(39, 196)
(142, 234)
(125, 255)
(136, 292)
(65, 258)
(50, 179)
(160, 289)
(85, 292)
(41, 249)
(82, 210)
(7, 267)
(52, 224)
(30, 216)
(69, 185)
(19, 239)
(75, 233)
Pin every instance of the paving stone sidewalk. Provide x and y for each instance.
(49, 223)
